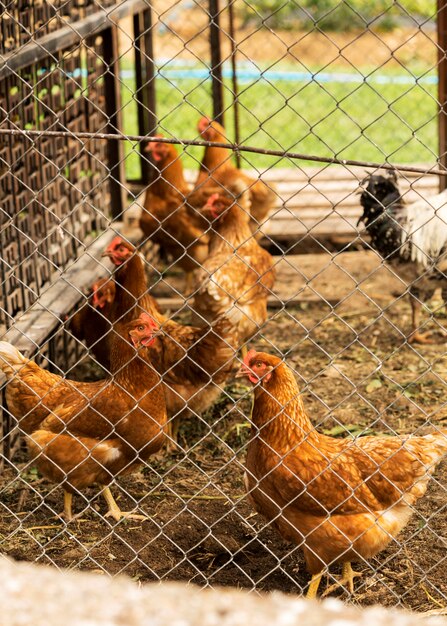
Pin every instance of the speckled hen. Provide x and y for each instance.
(412, 238)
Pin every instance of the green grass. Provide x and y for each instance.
(371, 122)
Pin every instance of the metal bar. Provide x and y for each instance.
(140, 93)
(237, 137)
(145, 82)
(216, 62)
(113, 111)
(7, 316)
(193, 142)
(35, 51)
(442, 86)
(149, 67)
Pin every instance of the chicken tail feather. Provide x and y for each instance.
(438, 444)
(11, 360)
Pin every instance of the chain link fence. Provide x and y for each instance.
(140, 263)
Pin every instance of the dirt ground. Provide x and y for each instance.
(357, 375)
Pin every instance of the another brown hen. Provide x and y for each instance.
(91, 322)
(217, 169)
(238, 274)
(165, 218)
(105, 433)
(343, 500)
(194, 361)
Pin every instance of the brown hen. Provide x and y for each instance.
(107, 429)
(194, 361)
(165, 218)
(238, 274)
(342, 500)
(217, 168)
(91, 322)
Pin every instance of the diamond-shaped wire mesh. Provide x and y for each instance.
(138, 273)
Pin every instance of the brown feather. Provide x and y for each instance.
(343, 499)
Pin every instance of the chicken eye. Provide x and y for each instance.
(141, 327)
(259, 364)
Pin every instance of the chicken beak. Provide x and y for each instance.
(107, 253)
(244, 372)
(142, 341)
(135, 339)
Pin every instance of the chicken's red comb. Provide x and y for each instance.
(212, 199)
(145, 318)
(249, 356)
(116, 241)
(203, 124)
(148, 148)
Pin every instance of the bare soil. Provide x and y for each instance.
(358, 376)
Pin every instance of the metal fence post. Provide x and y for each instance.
(145, 81)
(216, 62)
(442, 87)
(113, 111)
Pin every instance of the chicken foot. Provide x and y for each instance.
(67, 513)
(346, 580)
(423, 338)
(114, 510)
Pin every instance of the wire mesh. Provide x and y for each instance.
(103, 222)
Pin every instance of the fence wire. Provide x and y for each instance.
(248, 365)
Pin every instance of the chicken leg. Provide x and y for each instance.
(171, 430)
(416, 336)
(68, 501)
(348, 575)
(346, 580)
(114, 510)
(314, 585)
(189, 283)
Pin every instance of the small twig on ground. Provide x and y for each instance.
(41, 527)
(432, 599)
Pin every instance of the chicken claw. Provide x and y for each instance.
(346, 580)
(114, 510)
(417, 337)
(67, 514)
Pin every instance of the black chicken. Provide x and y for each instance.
(411, 238)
